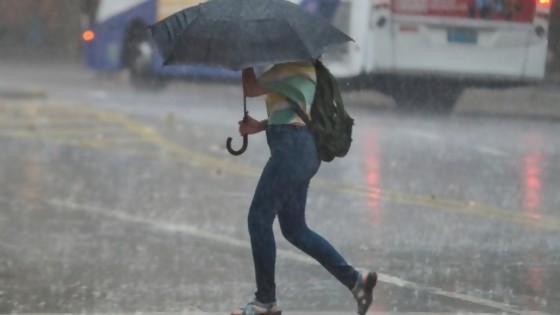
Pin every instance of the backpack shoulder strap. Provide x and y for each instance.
(297, 109)
(334, 87)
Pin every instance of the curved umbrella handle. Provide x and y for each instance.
(245, 137)
(240, 151)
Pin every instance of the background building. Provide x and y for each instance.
(40, 28)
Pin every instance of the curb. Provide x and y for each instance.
(534, 102)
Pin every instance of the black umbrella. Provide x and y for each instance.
(237, 34)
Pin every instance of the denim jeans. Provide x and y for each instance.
(282, 192)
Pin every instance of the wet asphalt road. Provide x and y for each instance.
(115, 200)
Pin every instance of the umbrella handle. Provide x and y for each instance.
(245, 141)
(240, 151)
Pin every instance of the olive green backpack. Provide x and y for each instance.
(330, 124)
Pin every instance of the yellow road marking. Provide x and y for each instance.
(62, 132)
(181, 155)
(187, 156)
(42, 122)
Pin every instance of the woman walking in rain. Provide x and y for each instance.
(283, 185)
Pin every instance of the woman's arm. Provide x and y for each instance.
(251, 86)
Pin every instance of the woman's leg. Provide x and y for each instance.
(294, 228)
(260, 220)
(274, 187)
(282, 190)
(292, 163)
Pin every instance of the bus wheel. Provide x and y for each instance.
(138, 59)
(432, 98)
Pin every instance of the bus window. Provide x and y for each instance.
(108, 9)
(508, 10)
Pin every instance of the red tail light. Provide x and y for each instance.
(89, 35)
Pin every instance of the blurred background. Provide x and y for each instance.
(117, 195)
(40, 30)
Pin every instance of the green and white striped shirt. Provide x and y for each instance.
(294, 80)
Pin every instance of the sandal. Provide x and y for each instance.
(363, 291)
(258, 308)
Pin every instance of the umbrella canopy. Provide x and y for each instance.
(238, 34)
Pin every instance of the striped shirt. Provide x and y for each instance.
(296, 80)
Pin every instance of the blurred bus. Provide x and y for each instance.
(115, 38)
(423, 53)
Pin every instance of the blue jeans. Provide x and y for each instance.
(282, 192)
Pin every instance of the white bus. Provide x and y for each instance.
(425, 52)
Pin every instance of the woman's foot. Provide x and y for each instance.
(363, 291)
(258, 308)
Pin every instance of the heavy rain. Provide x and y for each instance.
(118, 194)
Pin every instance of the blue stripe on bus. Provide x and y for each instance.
(105, 51)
